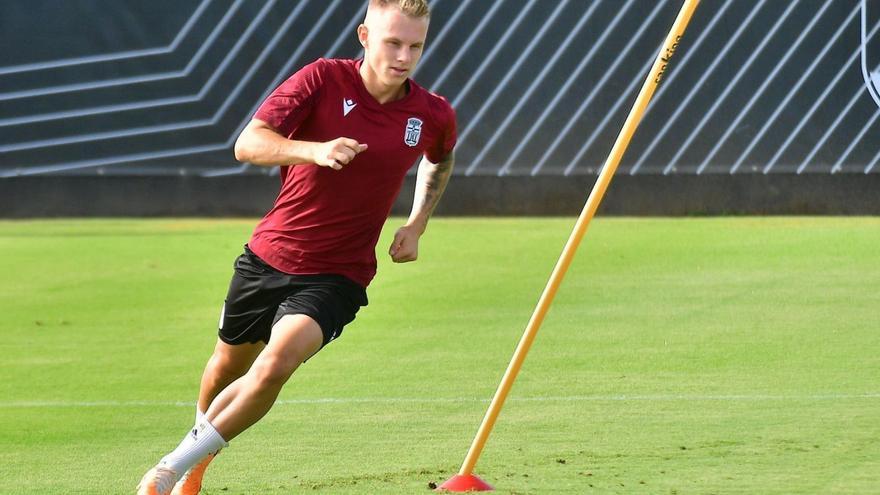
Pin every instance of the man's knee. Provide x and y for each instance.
(294, 339)
(227, 363)
(272, 370)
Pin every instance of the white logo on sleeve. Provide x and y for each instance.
(413, 131)
(347, 106)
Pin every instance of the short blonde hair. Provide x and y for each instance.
(412, 8)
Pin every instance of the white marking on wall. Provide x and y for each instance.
(497, 46)
(605, 78)
(760, 91)
(873, 163)
(109, 57)
(729, 87)
(124, 81)
(511, 113)
(838, 165)
(587, 58)
(829, 130)
(434, 42)
(806, 118)
(137, 131)
(135, 157)
(791, 94)
(871, 77)
(680, 107)
(467, 43)
(551, 107)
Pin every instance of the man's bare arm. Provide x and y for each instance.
(430, 184)
(261, 144)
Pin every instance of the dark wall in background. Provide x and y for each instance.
(650, 195)
(131, 108)
(102, 87)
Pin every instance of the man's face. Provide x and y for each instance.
(393, 43)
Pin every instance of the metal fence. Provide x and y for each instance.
(541, 87)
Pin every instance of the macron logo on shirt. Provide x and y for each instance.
(347, 106)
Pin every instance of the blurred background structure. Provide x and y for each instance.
(132, 108)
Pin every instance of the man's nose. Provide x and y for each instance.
(404, 55)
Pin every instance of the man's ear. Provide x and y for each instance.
(362, 32)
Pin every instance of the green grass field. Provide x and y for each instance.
(688, 356)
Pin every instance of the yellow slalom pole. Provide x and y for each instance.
(608, 170)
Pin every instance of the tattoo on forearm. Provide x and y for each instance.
(432, 182)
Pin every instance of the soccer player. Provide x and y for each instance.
(344, 132)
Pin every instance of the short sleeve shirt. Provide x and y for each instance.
(329, 221)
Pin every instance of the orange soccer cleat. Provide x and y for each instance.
(191, 483)
(158, 481)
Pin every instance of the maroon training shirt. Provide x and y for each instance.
(328, 221)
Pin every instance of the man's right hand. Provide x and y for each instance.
(337, 153)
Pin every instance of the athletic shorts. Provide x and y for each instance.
(260, 295)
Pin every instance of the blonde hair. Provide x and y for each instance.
(413, 8)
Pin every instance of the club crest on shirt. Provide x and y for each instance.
(413, 131)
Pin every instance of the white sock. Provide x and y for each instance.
(200, 416)
(201, 441)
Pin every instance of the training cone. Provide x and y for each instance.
(465, 483)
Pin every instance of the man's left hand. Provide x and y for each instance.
(405, 246)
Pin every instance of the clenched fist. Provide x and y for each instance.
(337, 153)
(405, 246)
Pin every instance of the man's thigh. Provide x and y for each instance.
(295, 338)
(331, 301)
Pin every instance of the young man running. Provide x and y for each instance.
(345, 133)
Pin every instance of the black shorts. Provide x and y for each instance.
(260, 295)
